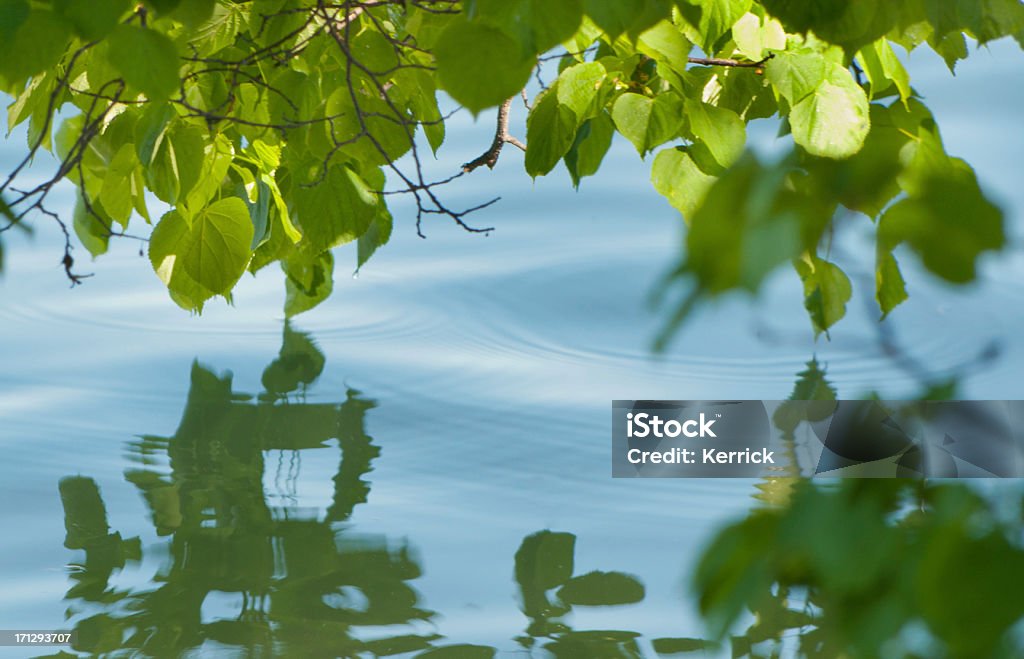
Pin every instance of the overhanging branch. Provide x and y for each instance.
(501, 138)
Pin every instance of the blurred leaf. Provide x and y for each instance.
(147, 59)
(948, 222)
(827, 289)
(92, 20)
(479, 65)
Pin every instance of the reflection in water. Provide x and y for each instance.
(249, 572)
(260, 579)
(303, 585)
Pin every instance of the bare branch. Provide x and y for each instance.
(501, 138)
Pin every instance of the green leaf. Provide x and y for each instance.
(538, 25)
(334, 211)
(592, 142)
(259, 211)
(749, 223)
(948, 222)
(211, 250)
(890, 289)
(613, 18)
(116, 192)
(195, 12)
(827, 289)
(163, 6)
(170, 237)
(602, 589)
(480, 66)
(146, 59)
(950, 47)
(550, 130)
(834, 120)
(850, 25)
(12, 14)
(37, 43)
(92, 20)
(578, 88)
(377, 120)
(721, 130)
(712, 18)
(868, 180)
(648, 122)
(92, 228)
(677, 177)
(665, 43)
(216, 162)
(177, 162)
(375, 237)
(34, 104)
(218, 29)
(309, 281)
(883, 69)
(756, 37)
(796, 74)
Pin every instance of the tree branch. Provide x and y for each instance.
(717, 61)
(501, 138)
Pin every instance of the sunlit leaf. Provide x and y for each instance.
(647, 122)
(833, 120)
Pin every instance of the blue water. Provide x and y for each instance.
(491, 362)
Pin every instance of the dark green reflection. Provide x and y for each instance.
(549, 589)
(241, 568)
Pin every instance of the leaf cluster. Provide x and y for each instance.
(275, 130)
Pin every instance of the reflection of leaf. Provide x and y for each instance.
(545, 560)
(300, 362)
(681, 645)
(85, 516)
(602, 589)
(459, 652)
(813, 399)
(607, 644)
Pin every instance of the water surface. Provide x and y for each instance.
(367, 475)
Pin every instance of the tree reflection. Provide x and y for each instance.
(241, 567)
(238, 571)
